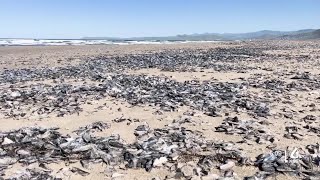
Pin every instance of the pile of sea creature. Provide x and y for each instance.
(251, 130)
(183, 152)
(64, 99)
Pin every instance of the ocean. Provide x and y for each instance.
(63, 42)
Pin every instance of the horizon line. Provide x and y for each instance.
(132, 37)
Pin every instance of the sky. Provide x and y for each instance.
(133, 18)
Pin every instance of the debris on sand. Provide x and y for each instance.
(62, 98)
(66, 99)
(95, 126)
(249, 130)
(154, 149)
(251, 91)
(292, 133)
(296, 162)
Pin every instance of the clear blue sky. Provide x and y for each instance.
(128, 18)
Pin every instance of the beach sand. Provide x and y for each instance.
(289, 59)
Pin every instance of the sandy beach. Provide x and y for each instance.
(259, 96)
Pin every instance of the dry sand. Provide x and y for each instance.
(108, 109)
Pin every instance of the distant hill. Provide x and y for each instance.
(304, 36)
(265, 34)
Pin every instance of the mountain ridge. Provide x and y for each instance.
(263, 34)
